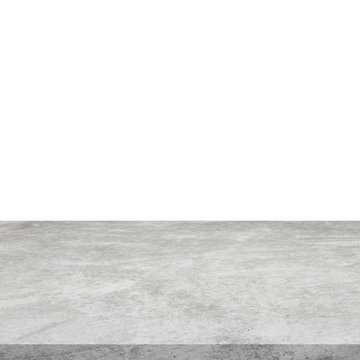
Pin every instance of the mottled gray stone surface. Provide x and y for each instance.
(180, 283)
(180, 352)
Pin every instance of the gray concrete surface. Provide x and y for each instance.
(180, 283)
(180, 352)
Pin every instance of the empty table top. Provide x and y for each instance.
(180, 282)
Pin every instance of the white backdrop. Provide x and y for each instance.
(184, 110)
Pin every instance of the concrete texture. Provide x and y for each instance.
(180, 352)
(180, 283)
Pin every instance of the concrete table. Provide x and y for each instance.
(185, 290)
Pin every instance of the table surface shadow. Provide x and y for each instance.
(180, 352)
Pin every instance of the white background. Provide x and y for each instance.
(192, 110)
